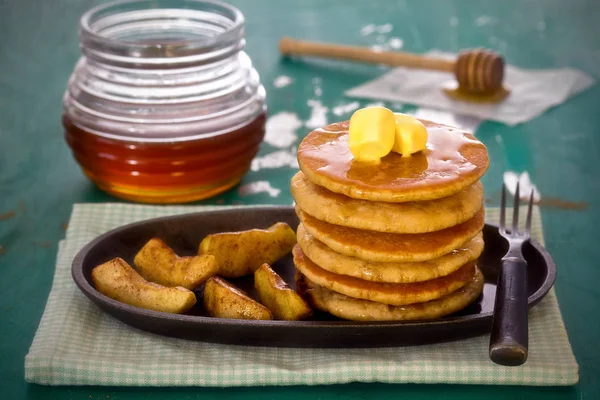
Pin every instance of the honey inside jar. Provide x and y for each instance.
(169, 172)
(164, 106)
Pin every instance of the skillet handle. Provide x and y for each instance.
(509, 337)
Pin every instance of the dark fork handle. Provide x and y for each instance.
(509, 338)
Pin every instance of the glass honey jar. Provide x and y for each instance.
(164, 106)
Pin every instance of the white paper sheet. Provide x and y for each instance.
(532, 91)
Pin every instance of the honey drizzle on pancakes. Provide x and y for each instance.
(453, 160)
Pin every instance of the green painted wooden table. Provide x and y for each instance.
(39, 181)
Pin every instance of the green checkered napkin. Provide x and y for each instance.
(78, 344)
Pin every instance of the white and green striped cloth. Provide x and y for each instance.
(78, 344)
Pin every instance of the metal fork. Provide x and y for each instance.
(509, 337)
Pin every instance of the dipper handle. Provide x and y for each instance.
(289, 46)
(478, 71)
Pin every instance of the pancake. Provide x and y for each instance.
(402, 272)
(410, 217)
(395, 294)
(453, 161)
(364, 310)
(392, 247)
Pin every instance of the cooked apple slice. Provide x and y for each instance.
(241, 253)
(117, 280)
(223, 300)
(278, 297)
(158, 263)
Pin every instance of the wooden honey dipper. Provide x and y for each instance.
(479, 72)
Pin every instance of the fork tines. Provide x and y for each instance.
(515, 224)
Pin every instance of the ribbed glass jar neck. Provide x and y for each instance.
(163, 70)
(161, 33)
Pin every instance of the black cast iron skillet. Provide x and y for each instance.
(184, 232)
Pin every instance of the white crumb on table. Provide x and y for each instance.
(385, 28)
(396, 43)
(318, 114)
(345, 108)
(276, 159)
(282, 81)
(281, 129)
(375, 104)
(484, 20)
(258, 187)
(367, 29)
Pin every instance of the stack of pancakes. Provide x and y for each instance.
(397, 240)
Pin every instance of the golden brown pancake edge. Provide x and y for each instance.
(392, 247)
(349, 308)
(387, 272)
(396, 294)
(409, 217)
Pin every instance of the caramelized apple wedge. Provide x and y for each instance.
(241, 253)
(223, 300)
(119, 281)
(278, 297)
(158, 263)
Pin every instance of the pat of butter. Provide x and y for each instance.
(411, 135)
(371, 134)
